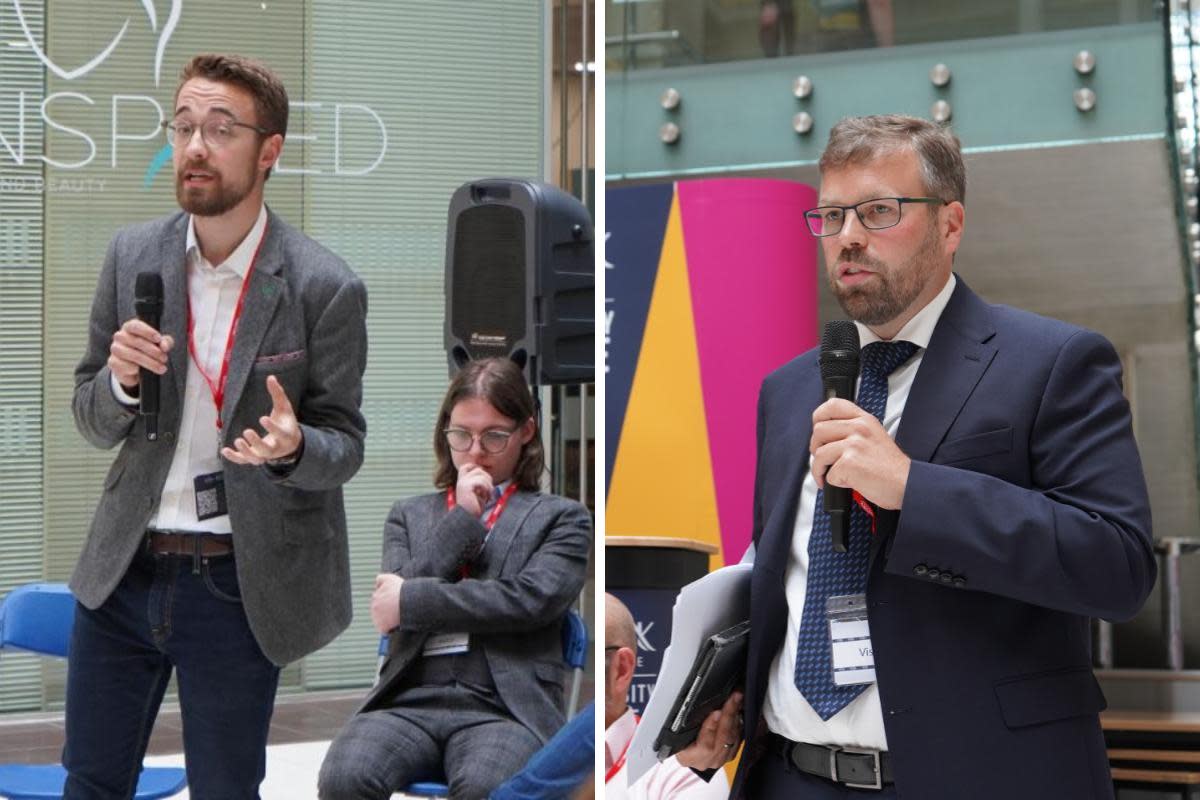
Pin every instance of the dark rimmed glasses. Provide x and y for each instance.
(215, 131)
(875, 214)
(492, 441)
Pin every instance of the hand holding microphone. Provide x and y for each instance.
(851, 449)
(138, 352)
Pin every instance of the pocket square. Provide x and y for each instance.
(282, 358)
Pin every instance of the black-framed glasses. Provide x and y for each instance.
(875, 214)
(215, 131)
(492, 441)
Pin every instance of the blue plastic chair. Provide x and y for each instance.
(574, 648)
(37, 618)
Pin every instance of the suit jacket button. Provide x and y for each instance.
(920, 569)
(960, 581)
(934, 574)
(946, 578)
(168, 437)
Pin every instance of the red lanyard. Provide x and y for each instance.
(620, 762)
(867, 508)
(452, 501)
(218, 388)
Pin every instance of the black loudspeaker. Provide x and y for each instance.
(520, 279)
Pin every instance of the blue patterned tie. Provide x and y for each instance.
(831, 574)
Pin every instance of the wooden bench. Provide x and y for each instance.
(1154, 754)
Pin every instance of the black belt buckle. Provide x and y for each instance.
(875, 766)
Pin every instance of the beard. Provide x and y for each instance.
(895, 288)
(215, 199)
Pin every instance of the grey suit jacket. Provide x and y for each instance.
(532, 568)
(304, 321)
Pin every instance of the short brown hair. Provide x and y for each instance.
(858, 140)
(500, 382)
(270, 98)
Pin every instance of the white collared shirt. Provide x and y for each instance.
(787, 713)
(213, 292)
(664, 781)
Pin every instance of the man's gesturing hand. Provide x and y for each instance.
(283, 438)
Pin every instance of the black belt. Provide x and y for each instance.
(849, 766)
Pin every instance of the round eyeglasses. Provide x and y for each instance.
(493, 441)
(875, 214)
(215, 131)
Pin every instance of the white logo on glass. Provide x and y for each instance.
(69, 75)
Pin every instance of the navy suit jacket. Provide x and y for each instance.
(1025, 514)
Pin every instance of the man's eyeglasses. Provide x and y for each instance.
(493, 441)
(216, 131)
(876, 214)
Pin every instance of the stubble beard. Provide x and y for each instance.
(895, 288)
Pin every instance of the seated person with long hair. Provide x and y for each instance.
(477, 579)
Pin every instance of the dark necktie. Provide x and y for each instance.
(831, 574)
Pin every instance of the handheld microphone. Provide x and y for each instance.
(148, 303)
(839, 371)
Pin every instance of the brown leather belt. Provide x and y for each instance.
(188, 543)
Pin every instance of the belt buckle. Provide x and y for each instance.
(877, 784)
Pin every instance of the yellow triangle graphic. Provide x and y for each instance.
(662, 483)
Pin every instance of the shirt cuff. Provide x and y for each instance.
(123, 397)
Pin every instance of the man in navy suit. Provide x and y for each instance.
(1006, 506)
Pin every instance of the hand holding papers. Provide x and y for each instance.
(715, 603)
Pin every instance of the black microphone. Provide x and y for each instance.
(148, 303)
(839, 371)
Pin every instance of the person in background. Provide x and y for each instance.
(477, 578)
(667, 780)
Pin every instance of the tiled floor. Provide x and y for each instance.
(314, 716)
(301, 728)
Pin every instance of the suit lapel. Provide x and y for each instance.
(172, 260)
(262, 296)
(504, 533)
(792, 462)
(956, 359)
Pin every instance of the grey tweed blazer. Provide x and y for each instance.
(532, 569)
(304, 321)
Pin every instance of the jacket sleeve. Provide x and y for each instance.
(1078, 539)
(330, 409)
(535, 596)
(455, 539)
(102, 419)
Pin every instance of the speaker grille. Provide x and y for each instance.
(489, 292)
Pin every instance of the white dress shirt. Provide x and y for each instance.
(665, 780)
(213, 292)
(860, 723)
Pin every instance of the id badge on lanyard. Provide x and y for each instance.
(853, 656)
(210, 488)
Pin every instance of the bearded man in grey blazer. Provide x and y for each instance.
(477, 579)
(218, 548)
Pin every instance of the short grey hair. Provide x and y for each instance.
(858, 140)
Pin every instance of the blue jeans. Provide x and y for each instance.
(162, 616)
